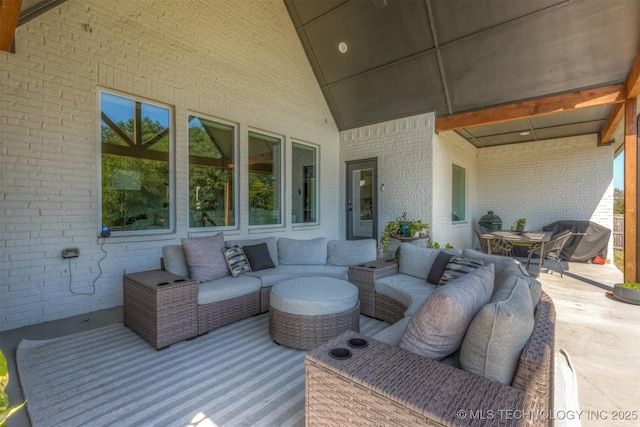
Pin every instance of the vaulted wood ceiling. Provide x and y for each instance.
(547, 68)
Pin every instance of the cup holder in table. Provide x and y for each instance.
(340, 353)
(357, 343)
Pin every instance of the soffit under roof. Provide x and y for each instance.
(411, 57)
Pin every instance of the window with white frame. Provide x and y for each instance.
(135, 162)
(304, 178)
(458, 193)
(212, 181)
(265, 179)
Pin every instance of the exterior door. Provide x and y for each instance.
(362, 199)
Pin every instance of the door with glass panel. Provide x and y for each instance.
(362, 200)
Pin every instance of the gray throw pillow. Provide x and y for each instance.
(205, 258)
(258, 256)
(458, 266)
(437, 328)
(236, 261)
(496, 336)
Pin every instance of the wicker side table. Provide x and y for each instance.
(364, 277)
(161, 307)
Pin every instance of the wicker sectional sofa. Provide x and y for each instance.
(228, 299)
(484, 382)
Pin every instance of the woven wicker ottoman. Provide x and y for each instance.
(307, 311)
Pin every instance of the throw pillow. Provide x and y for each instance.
(258, 256)
(438, 267)
(205, 258)
(458, 266)
(496, 336)
(236, 260)
(437, 328)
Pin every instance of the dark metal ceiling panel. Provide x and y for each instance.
(408, 88)
(457, 19)
(546, 53)
(569, 130)
(575, 116)
(307, 11)
(374, 37)
(500, 128)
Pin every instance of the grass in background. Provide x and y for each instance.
(618, 259)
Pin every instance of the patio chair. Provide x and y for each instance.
(552, 249)
(498, 246)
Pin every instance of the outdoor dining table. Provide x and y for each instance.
(524, 238)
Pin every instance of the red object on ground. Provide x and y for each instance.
(598, 259)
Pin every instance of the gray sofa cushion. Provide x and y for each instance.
(282, 272)
(174, 260)
(417, 261)
(501, 263)
(408, 290)
(272, 244)
(351, 252)
(313, 296)
(496, 336)
(226, 288)
(302, 252)
(205, 258)
(393, 334)
(439, 325)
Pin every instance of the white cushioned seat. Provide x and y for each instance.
(313, 296)
(226, 288)
(271, 276)
(408, 290)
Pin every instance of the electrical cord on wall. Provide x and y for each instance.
(93, 284)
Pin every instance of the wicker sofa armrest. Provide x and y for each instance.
(386, 385)
(535, 369)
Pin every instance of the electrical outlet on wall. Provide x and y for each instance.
(70, 253)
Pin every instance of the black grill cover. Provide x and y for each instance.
(589, 239)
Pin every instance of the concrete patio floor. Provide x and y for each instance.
(601, 335)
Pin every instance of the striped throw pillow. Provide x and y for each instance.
(458, 266)
(236, 260)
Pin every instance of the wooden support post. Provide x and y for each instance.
(9, 13)
(631, 210)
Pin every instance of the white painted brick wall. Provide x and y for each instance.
(448, 149)
(404, 152)
(240, 61)
(547, 181)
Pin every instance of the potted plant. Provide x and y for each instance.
(402, 226)
(627, 292)
(519, 224)
(6, 411)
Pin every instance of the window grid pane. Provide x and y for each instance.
(211, 173)
(458, 195)
(265, 179)
(304, 183)
(135, 164)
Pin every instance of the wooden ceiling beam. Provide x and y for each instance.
(9, 14)
(633, 79)
(617, 113)
(586, 98)
(610, 126)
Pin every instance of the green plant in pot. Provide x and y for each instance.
(6, 411)
(402, 226)
(519, 224)
(627, 292)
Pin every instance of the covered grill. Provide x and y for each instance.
(588, 240)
